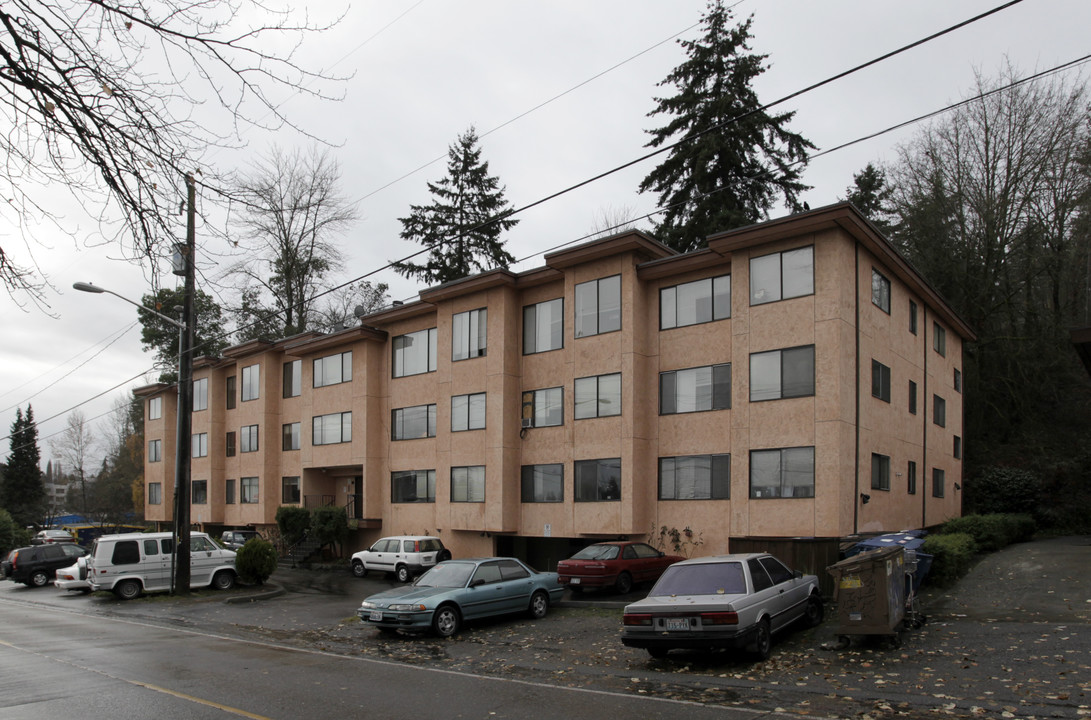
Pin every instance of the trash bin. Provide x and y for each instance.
(869, 589)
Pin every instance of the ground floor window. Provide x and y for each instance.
(468, 484)
(598, 480)
(289, 493)
(229, 491)
(249, 489)
(880, 472)
(938, 481)
(413, 486)
(695, 477)
(543, 483)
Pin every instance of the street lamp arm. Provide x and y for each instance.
(88, 287)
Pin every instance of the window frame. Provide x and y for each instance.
(809, 391)
(598, 400)
(956, 449)
(913, 317)
(341, 421)
(201, 497)
(291, 436)
(248, 439)
(719, 395)
(230, 446)
(912, 397)
(155, 408)
(198, 445)
(939, 338)
(334, 369)
(292, 379)
(468, 411)
(530, 329)
(200, 394)
(537, 495)
(428, 477)
(230, 392)
(669, 297)
(249, 491)
(939, 411)
(782, 452)
(911, 479)
(939, 481)
(880, 472)
(472, 484)
(588, 477)
(399, 422)
(715, 462)
(250, 383)
(755, 299)
(229, 491)
(880, 381)
(473, 344)
(534, 404)
(399, 346)
(880, 290)
(583, 317)
(155, 493)
(155, 450)
(285, 485)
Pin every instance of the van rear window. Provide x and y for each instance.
(126, 552)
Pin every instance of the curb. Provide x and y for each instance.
(268, 592)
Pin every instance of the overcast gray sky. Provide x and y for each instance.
(425, 70)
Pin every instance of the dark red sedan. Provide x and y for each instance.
(614, 564)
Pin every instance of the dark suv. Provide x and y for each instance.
(37, 565)
(235, 539)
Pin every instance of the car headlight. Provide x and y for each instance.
(404, 607)
(367, 605)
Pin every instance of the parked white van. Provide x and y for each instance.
(132, 563)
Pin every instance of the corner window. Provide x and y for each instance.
(880, 472)
(598, 396)
(880, 291)
(543, 327)
(249, 441)
(598, 306)
(782, 473)
(912, 317)
(911, 478)
(695, 477)
(468, 412)
(229, 444)
(939, 339)
(229, 491)
(248, 487)
(331, 429)
(333, 369)
(199, 492)
(230, 392)
(782, 374)
(155, 408)
(290, 436)
(293, 378)
(200, 394)
(543, 483)
(781, 276)
(696, 302)
(543, 408)
(958, 448)
(468, 334)
(880, 381)
(413, 486)
(695, 389)
(468, 484)
(155, 451)
(598, 480)
(251, 383)
(939, 411)
(155, 493)
(415, 353)
(289, 490)
(958, 380)
(939, 478)
(912, 398)
(199, 445)
(412, 423)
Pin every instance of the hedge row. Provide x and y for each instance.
(953, 548)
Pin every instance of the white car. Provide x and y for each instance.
(134, 563)
(402, 555)
(74, 578)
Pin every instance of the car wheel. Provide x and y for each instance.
(446, 620)
(763, 639)
(39, 578)
(539, 605)
(223, 580)
(814, 613)
(624, 583)
(658, 653)
(401, 573)
(358, 569)
(127, 589)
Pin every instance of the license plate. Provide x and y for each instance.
(678, 623)
(575, 581)
(376, 616)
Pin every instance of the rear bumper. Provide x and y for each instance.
(719, 639)
(586, 581)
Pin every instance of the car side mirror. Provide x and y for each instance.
(477, 583)
(661, 553)
(798, 574)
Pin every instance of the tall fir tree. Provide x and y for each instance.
(23, 491)
(871, 194)
(462, 226)
(732, 159)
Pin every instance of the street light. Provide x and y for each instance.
(180, 575)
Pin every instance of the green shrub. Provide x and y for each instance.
(329, 525)
(256, 561)
(1003, 490)
(7, 533)
(992, 532)
(951, 554)
(293, 522)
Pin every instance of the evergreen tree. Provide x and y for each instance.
(733, 159)
(23, 494)
(871, 194)
(462, 226)
(159, 335)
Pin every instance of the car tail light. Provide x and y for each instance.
(637, 619)
(14, 559)
(416, 546)
(720, 618)
(595, 566)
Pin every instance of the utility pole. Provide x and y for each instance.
(184, 450)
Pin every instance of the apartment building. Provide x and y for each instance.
(796, 382)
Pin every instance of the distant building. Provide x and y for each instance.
(796, 382)
(56, 488)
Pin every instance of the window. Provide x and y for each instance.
(155, 493)
(598, 306)
(782, 374)
(412, 423)
(598, 396)
(880, 381)
(413, 486)
(229, 444)
(695, 389)
(939, 411)
(544, 407)
(468, 412)
(331, 429)
(543, 483)
(543, 326)
(598, 480)
(939, 339)
(958, 448)
(290, 436)
(880, 472)
(334, 369)
(782, 275)
(912, 317)
(938, 479)
(230, 391)
(200, 394)
(911, 479)
(200, 445)
(695, 302)
(695, 477)
(415, 353)
(293, 378)
(248, 487)
(249, 441)
(958, 380)
(155, 408)
(229, 491)
(468, 484)
(251, 382)
(199, 492)
(880, 291)
(912, 397)
(289, 490)
(782, 473)
(468, 334)
(155, 450)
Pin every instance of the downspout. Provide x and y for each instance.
(856, 454)
(924, 421)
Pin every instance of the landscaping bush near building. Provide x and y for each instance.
(994, 531)
(1003, 490)
(952, 554)
(293, 522)
(256, 561)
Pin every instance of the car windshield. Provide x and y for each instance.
(597, 552)
(446, 575)
(726, 578)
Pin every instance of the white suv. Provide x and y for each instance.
(403, 555)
